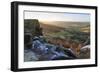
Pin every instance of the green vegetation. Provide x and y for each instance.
(74, 34)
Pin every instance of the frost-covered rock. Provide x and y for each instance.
(85, 52)
(85, 49)
(42, 50)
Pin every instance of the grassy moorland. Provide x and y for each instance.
(72, 35)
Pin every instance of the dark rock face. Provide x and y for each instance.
(27, 39)
(32, 29)
(33, 26)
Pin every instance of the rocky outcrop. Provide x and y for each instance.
(33, 26)
(45, 51)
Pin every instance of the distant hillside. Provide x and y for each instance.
(66, 24)
(51, 28)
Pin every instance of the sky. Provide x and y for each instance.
(55, 16)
